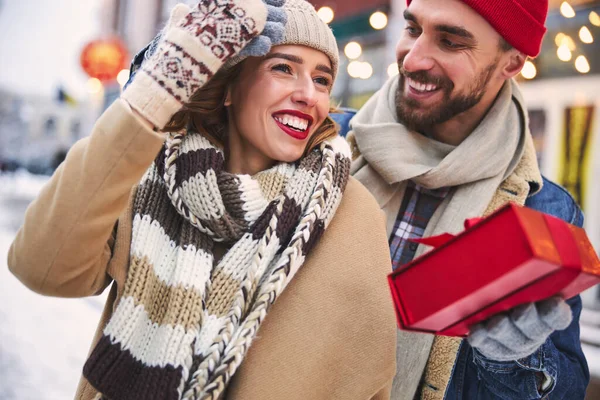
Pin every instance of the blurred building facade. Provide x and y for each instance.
(43, 104)
(37, 131)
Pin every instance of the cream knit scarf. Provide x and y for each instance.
(184, 323)
(392, 155)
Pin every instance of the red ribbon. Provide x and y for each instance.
(440, 240)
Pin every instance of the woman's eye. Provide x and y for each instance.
(282, 67)
(322, 81)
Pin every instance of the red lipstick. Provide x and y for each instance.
(300, 135)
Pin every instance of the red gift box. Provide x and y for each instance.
(515, 256)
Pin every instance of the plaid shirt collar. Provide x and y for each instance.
(418, 206)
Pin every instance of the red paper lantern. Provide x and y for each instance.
(104, 58)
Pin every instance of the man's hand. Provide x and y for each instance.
(521, 331)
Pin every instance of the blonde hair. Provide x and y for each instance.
(206, 112)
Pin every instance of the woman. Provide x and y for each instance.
(243, 200)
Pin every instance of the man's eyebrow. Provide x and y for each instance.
(299, 60)
(451, 29)
(410, 16)
(455, 30)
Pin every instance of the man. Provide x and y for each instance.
(448, 139)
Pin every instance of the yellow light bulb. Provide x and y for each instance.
(563, 53)
(569, 42)
(94, 85)
(378, 20)
(353, 50)
(354, 69)
(529, 71)
(366, 70)
(123, 77)
(566, 10)
(582, 65)
(585, 35)
(326, 14)
(594, 18)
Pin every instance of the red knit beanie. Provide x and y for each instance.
(519, 22)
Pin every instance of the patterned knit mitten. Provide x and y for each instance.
(192, 49)
(273, 33)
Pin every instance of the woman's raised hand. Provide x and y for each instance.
(194, 44)
(272, 34)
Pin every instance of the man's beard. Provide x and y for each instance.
(412, 115)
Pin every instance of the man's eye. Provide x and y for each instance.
(450, 44)
(412, 31)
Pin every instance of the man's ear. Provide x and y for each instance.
(513, 64)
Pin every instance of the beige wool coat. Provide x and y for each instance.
(331, 335)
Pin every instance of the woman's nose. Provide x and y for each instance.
(305, 92)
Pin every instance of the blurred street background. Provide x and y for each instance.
(64, 61)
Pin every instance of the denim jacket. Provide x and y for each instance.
(561, 358)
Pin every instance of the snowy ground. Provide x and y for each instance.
(43, 340)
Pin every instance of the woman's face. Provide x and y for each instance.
(275, 105)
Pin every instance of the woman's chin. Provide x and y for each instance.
(289, 155)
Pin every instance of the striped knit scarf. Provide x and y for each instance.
(184, 323)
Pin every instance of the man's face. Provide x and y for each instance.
(448, 56)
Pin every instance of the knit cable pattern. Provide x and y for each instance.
(185, 323)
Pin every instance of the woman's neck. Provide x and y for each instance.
(240, 159)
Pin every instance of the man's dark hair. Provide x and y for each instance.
(504, 45)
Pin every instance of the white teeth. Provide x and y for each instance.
(421, 87)
(295, 122)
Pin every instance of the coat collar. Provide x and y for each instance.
(525, 180)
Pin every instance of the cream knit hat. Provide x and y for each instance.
(304, 27)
